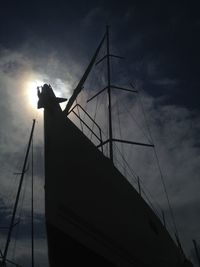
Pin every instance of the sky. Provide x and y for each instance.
(52, 42)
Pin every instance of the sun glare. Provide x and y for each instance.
(31, 82)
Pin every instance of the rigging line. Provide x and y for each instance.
(135, 177)
(17, 197)
(105, 131)
(98, 103)
(166, 193)
(139, 126)
(11, 193)
(94, 78)
(145, 117)
(86, 106)
(8, 202)
(120, 133)
(107, 128)
(12, 184)
(88, 92)
(20, 216)
(94, 118)
(160, 171)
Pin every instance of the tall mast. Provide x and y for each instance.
(108, 88)
(17, 197)
(32, 209)
(109, 95)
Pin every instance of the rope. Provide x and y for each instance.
(160, 170)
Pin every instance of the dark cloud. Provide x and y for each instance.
(53, 42)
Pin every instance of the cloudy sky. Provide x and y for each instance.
(45, 41)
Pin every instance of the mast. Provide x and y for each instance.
(109, 95)
(4, 258)
(108, 88)
(32, 208)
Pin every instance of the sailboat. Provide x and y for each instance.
(94, 216)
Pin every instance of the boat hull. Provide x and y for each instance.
(94, 208)
(65, 249)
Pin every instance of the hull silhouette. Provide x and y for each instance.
(93, 214)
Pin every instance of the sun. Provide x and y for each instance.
(31, 88)
(32, 81)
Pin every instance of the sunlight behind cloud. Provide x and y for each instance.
(32, 92)
(60, 88)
